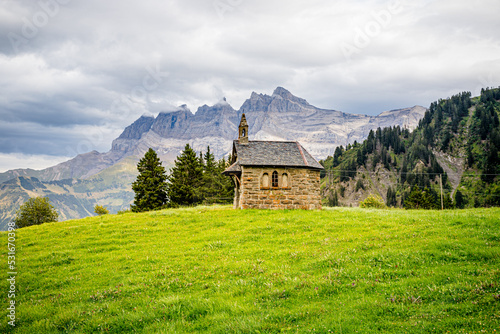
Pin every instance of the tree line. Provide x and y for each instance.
(193, 180)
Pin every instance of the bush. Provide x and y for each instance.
(35, 211)
(373, 202)
(100, 210)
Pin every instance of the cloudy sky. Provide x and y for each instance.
(74, 73)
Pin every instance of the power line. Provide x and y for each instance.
(407, 173)
(445, 191)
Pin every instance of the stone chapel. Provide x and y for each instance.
(273, 174)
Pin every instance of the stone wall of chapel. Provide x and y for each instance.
(303, 191)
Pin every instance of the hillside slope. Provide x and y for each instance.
(72, 198)
(458, 140)
(219, 270)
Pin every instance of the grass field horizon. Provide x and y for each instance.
(218, 270)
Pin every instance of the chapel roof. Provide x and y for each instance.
(272, 154)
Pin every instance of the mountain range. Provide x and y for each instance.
(75, 186)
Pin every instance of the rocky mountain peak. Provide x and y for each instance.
(222, 105)
(172, 124)
(220, 108)
(136, 129)
(256, 102)
(283, 93)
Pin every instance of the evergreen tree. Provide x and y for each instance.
(391, 197)
(470, 156)
(336, 156)
(459, 200)
(216, 187)
(448, 203)
(224, 184)
(404, 172)
(491, 163)
(419, 199)
(209, 175)
(360, 157)
(150, 186)
(359, 185)
(333, 199)
(185, 183)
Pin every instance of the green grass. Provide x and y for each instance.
(254, 271)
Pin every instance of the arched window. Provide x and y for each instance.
(243, 133)
(284, 180)
(275, 179)
(265, 180)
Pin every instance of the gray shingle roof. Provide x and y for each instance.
(233, 169)
(274, 153)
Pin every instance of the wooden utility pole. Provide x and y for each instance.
(441, 186)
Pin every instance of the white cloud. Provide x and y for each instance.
(19, 160)
(85, 66)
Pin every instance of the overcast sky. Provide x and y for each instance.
(74, 73)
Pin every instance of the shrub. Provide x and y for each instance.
(35, 211)
(100, 210)
(373, 201)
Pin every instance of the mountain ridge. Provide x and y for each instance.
(280, 116)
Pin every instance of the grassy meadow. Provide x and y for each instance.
(217, 270)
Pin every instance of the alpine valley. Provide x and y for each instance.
(74, 187)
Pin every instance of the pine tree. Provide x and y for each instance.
(419, 199)
(404, 171)
(415, 199)
(150, 186)
(210, 186)
(216, 186)
(336, 156)
(225, 184)
(185, 183)
(470, 156)
(333, 198)
(491, 163)
(391, 197)
(459, 199)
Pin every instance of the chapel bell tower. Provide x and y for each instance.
(243, 131)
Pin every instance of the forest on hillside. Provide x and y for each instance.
(450, 160)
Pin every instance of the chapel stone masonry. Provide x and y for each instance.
(273, 174)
